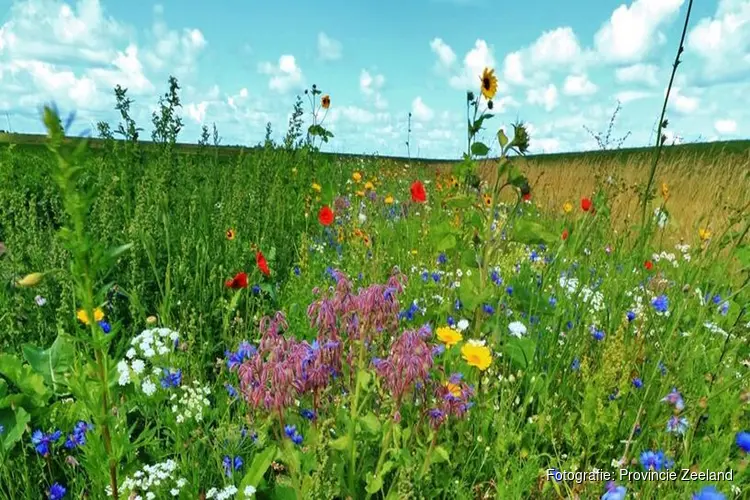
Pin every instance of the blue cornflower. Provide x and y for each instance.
(43, 442)
(451, 321)
(614, 492)
(256, 289)
(231, 390)
(597, 334)
(575, 365)
(652, 460)
(677, 425)
(438, 350)
(57, 491)
(308, 414)
(78, 436)
(631, 316)
(709, 493)
(488, 309)
(106, 327)
(297, 271)
(742, 440)
(457, 305)
(291, 432)
(436, 277)
(232, 464)
(2, 429)
(660, 303)
(724, 308)
(637, 383)
(442, 259)
(662, 368)
(171, 379)
(496, 278)
(716, 299)
(509, 290)
(569, 325)
(425, 276)
(552, 301)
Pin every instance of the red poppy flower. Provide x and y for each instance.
(565, 234)
(239, 281)
(527, 197)
(418, 194)
(262, 263)
(325, 216)
(586, 204)
(648, 265)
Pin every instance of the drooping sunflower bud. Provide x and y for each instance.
(520, 137)
(30, 280)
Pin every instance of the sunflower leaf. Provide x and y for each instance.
(479, 149)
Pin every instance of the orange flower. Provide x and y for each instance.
(230, 234)
(325, 101)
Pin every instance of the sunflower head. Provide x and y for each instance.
(489, 83)
(325, 101)
(230, 234)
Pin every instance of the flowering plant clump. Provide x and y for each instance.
(145, 359)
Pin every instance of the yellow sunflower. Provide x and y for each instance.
(487, 200)
(489, 83)
(230, 234)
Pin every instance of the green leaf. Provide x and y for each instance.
(460, 202)
(260, 464)
(364, 378)
(502, 138)
(440, 455)
(531, 233)
(14, 422)
(479, 149)
(342, 443)
(54, 363)
(374, 483)
(117, 251)
(371, 423)
(23, 377)
(447, 243)
(520, 351)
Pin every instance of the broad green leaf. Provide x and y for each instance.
(531, 233)
(258, 467)
(371, 423)
(374, 483)
(447, 243)
(14, 422)
(479, 149)
(502, 138)
(117, 251)
(342, 443)
(364, 377)
(439, 455)
(53, 363)
(520, 351)
(23, 377)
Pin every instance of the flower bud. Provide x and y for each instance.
(30, 280)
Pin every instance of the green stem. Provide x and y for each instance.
(426, 464)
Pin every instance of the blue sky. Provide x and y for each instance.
(241, 64)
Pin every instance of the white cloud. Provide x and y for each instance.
(632, 31)
(446, 56)
(328, 48)
(545, 96)
(558, 47)
(127, 71)
(420, 111)
(725, 126)
(285, 75)
(370, 86)
(474, 62)
(724, 39)
(631, 95)
(681, 103)
(173, 50)
(545, 145)
(513, 68)
(197, 111)
(577, 85)
(638, 73)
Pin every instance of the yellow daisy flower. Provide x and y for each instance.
(448, 336)
(477, 355)
(84, 318)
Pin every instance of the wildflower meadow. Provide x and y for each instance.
(284, 324)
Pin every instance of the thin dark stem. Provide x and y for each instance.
(662, 124)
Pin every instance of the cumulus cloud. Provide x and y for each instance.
(420, 111)
(633, 31)
(474, 62)
(645, 74)
(682, 103)
(631, 95)
(558, 47)
(445, 54)
(284, 75)
(370, 86)
(579, 85)
(725, 126)
(545, 97)
(723, 41)
(328, 48)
